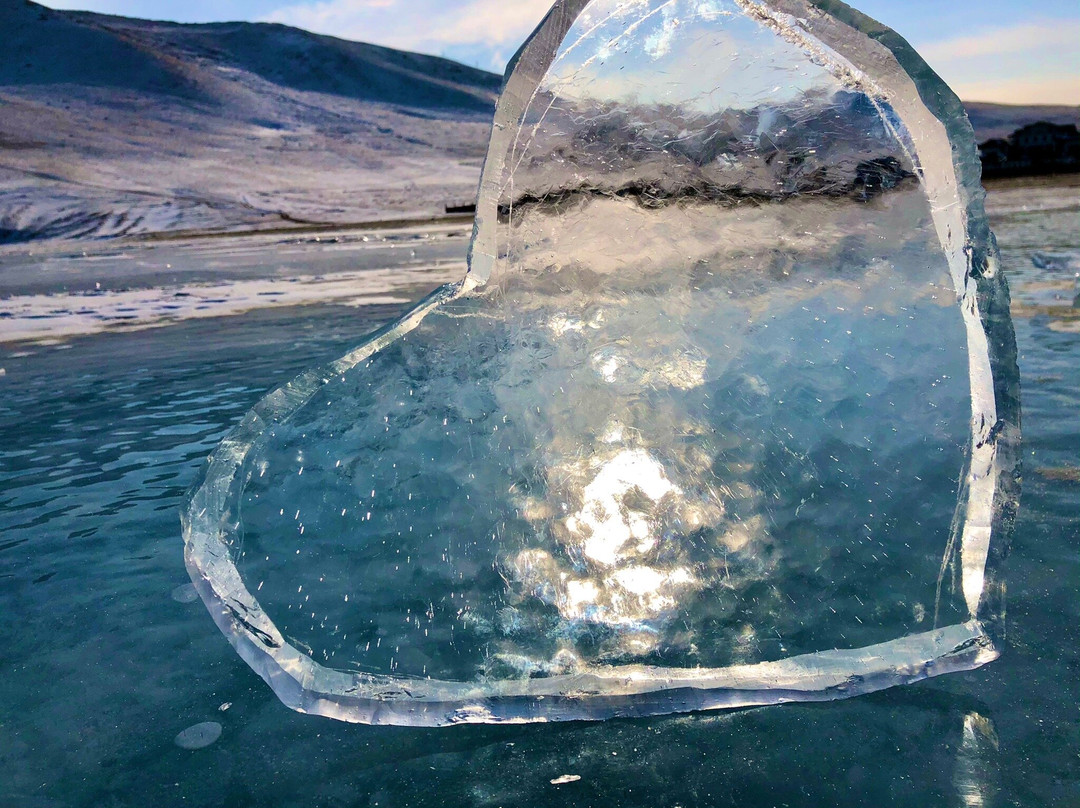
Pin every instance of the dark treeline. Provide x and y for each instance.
(1038, 148)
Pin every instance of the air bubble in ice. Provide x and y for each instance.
(198, 735)
(185, 593)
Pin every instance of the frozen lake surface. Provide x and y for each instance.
(124, 366)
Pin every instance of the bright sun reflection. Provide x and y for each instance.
(615, 532)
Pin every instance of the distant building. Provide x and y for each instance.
(1038, 148)
(1050, 137)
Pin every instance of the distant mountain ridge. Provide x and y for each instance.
(1001, 120)
(44, 46)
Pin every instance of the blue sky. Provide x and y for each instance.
(988, 50)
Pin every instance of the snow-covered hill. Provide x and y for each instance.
(112, 126)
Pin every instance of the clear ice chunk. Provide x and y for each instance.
(724, 413)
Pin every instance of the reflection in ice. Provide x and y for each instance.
(975, 778)
(607, 523)
(613, 537)
(688, 433)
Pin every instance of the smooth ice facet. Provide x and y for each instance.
(724, 413)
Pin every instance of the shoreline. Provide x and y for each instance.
(1059, 180)
(299, 229)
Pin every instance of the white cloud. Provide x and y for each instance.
(1033, 63)
(1059, 35)
(1037, 90)
(485, 30)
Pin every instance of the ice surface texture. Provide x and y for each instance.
(689, 433)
